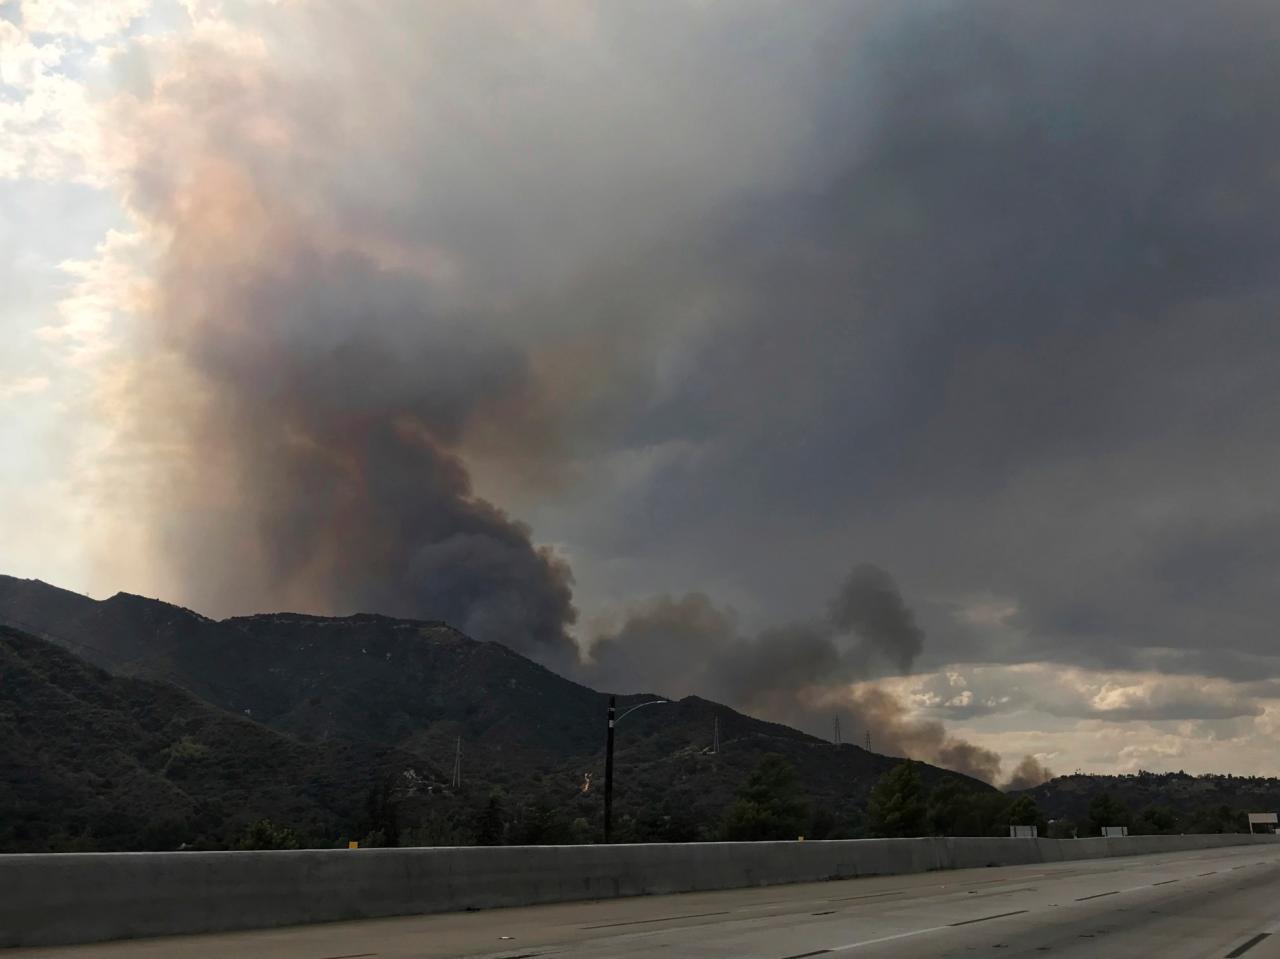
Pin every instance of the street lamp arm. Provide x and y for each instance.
(652, 702)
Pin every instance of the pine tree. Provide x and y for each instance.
(896, 806)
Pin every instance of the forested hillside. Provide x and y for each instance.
(376, 708)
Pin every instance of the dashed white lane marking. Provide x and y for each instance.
(1274, 928)
(901, 935)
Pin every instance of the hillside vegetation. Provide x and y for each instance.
(92, 761)
(376, 706)
(1148, 802)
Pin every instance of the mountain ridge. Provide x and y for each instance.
(419, 689)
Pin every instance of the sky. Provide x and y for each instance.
(912, 362)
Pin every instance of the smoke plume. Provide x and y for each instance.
(733, 276)
(1030, 772)
(297, 406)
(800, 674)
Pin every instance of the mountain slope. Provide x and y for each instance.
(97, 761)
(421, 687)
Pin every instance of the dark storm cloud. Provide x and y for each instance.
(1020, 340)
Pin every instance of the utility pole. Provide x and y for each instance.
(715, 738)
(608, 770)
(457, 764)
(835, 728)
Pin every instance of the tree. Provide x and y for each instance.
(1062, 829)
(541, 825)
(264, 834)
(896, 806)
(1156, 821)
(951, 810)
(769, 805)
(1105, 810)
(491, 826)
(382, 818)
(1216, 819)
(1023, 811)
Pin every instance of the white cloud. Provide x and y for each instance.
(84, 21)
(22, 386)
(1075, 692)
(21, 59)
(1102, 721)
(114, 282)
(48, 131)
(987, 612)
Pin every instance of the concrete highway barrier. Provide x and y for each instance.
(69, 898)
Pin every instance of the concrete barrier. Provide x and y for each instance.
(90, 897)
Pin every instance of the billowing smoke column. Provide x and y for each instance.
(302, 407)
(332, 412)
(366, 272)
(1030, 772)
(798, 674)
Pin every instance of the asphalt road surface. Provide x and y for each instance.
(1210, 903)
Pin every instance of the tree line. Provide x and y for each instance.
(770, 805)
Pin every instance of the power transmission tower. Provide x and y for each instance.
(457, 765)
(835, 727)
(868, 740)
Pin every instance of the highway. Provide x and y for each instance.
(1209, 903)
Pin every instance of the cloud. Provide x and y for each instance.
(93, 22)
(1054, 690)
(23, 386)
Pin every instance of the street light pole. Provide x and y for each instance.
(608, 770)
(608, 757)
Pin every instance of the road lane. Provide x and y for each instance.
(1184, 906)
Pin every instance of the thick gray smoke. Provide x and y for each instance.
(369, 275)
(959, 280)
(800, 674)
(338, 441)
(871, 607)
(303, 408)
(1030, 772)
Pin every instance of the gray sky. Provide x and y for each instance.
(428, 307)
